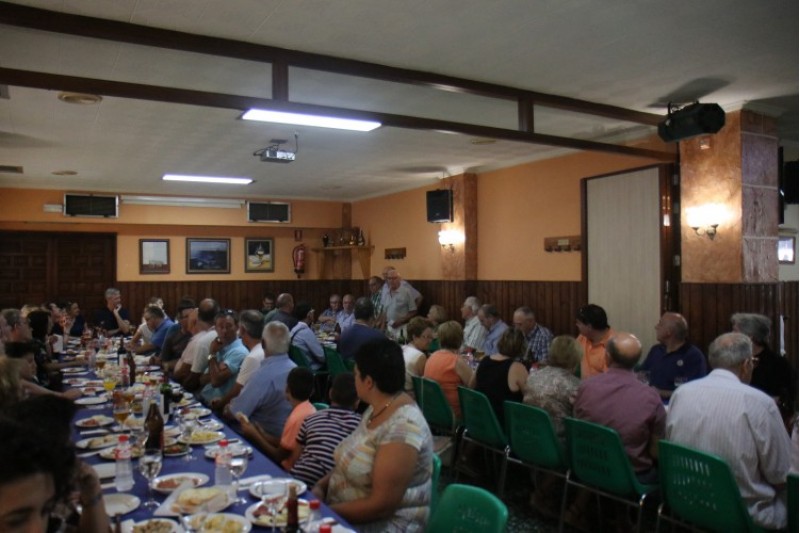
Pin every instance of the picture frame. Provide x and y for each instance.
(259, 254)
(786, 250)
(208, 256)
(154, 256)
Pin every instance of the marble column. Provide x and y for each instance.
(731, 177)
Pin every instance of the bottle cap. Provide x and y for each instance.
(313, 504)
(123, 438)
(325, 528)
(223, 442)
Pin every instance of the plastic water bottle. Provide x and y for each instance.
(124, 473)
(314, 517)
(222, 465)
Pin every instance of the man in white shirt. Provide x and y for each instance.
(251, 326)
(398, 303)
(346, 317)
(723, 415)
(194, 360)
(474, 332)
(303, 337)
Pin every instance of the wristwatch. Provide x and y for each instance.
(212, 356)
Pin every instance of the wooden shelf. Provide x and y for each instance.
(362, 252)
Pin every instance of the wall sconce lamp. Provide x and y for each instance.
(705, 219)
(449, 238)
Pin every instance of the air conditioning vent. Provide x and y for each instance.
(276, 212)
(91, 206)
(10, 169)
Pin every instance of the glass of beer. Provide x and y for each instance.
(122, 411)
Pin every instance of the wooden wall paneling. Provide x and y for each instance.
(789, 301)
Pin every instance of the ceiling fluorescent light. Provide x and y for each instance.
(207, 179)
(299, 119)
(175, 201)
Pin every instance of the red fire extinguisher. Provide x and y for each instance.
(299, 259)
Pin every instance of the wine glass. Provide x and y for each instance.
(109, 383)
(187, 425)
(273, 497)
(122, 410)
(238, 468)
(150, 466)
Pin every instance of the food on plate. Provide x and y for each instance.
(94, 421)
(136, 407)
(173, 483)
(216, 523)
(205, 437)
(100, 442)
(133, 422)
(108, 453)
(262, 516)
(154, 525)
(176, 449)
(191, 499)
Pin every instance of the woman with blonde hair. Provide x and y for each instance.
(446, 366)
(501, 376)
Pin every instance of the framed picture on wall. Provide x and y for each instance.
(208, 256)
(786, 247)
(258, 255)
(153, 256)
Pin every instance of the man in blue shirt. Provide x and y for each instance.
(262, 405)
(225, 356)
(489, 317)
(361, 332)
(159, 323)
(673, 360)
(303, 337)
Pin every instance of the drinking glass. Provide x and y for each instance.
(122, 410)
(273, 497)
(238, 468)
(187, 425)
(109, 383)
(150, 466)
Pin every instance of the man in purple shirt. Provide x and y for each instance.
(617, 399)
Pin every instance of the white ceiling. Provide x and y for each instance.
(633, 54)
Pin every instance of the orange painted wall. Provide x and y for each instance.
(21, 209)
(517, 208)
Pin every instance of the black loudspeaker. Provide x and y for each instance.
(789, 183)
(269, 212)
(691, 121)
(91, 206)
(440, 205)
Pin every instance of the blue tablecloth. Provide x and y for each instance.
(259, 464)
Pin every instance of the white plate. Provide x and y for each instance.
(108, 453)
(91, 400)
(197, 479)
(96, 443)
(280, 521)
(217, 503)
(203, 437)
(211, 425)
(197, 412)
(95, 421)
(176, 528)
(76, 382)
(236, 450)
(185, 450)
(105, 470)
(74, 370)
(171, 430)
(207, 522)
(92, 391)
(248, 482)
(275, 485)
(120, 503)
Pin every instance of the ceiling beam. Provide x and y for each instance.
(111, 30)
(58, 82)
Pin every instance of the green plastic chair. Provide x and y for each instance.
(482, 428)
(320, 376)
(599, 462)
(699, 488)
(299, 358)
(439, 415)
(335, 363)
(320, 406)
(416, 381)
(792, 502)
(467, 508)
(532, 439)
(435, 474)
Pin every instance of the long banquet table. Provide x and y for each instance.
(259, 464)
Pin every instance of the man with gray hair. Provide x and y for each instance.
(723, 415)
(673, 360)
(262, 406)
(489, 317)
(537, 336)
(113, 317)
(474, 332)
(771, 373)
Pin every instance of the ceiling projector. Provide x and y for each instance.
(275, 154)
(691, 121)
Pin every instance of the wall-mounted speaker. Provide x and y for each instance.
(789, 182)
(86, 205)
(691, 121)
(440, 205)
(276, 212)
